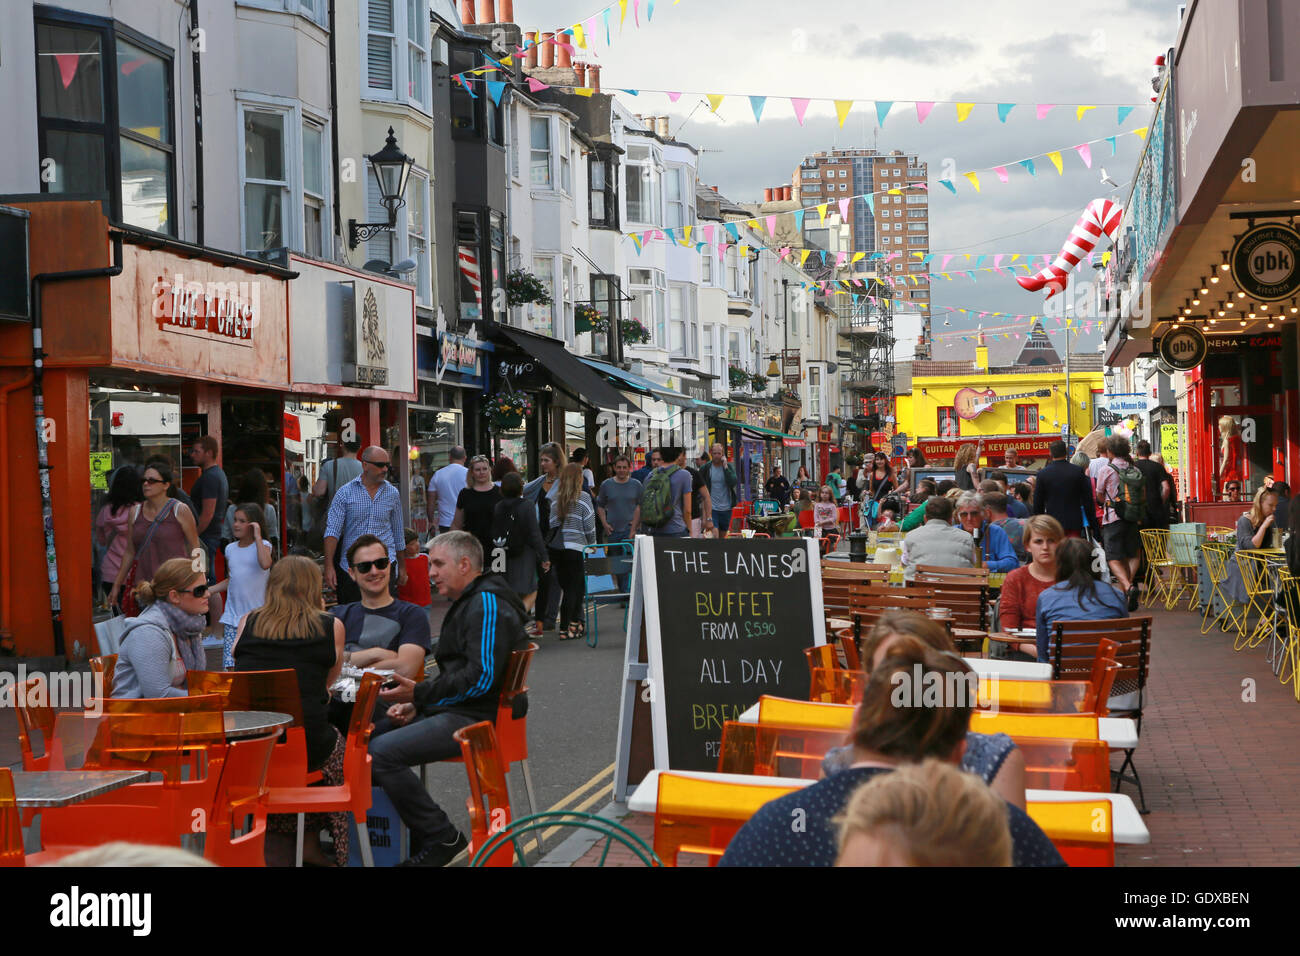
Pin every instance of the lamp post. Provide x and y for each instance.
(392, 169)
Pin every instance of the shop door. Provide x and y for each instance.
(1261, 443)
(252, 441)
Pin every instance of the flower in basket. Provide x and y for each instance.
(758, 383)
(522, 287)
(587, 318)
(737, 377)
(507, 409)
(633, 331)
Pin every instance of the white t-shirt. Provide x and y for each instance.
(247, 589)
(448, 482)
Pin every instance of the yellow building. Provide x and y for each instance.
(1005, 392)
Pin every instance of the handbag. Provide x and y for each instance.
(127, 598)
(108, 633)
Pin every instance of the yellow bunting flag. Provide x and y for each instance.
(744, 250)
(821, 210)
(579, 37)
(1078, 114)
(686, 235)
(1141, 132)
(803, 256)
(918, 255)
(752, 223)
(974, 180)
(507, 61)
(895, 192)
(842, 108)
(1055, 157)
(1105, 258)
(963, 111)
(622, 12)
(715, 99)
(857, 256)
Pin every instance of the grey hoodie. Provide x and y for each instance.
(147, 661)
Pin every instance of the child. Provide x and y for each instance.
(416, 590)
(248, 563)
(887, 519)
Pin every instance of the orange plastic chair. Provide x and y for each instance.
(1055, 764)
(699, 817)
(1067, 726)
(1082, 831)
(489, 795)
(771, 751)
(784, 712)
(805, 519)
(31, 700)
(11, 826)
(194, 704)
(852, 656)
(104, 667)
(351, 796)
(275, 691)
(821, 655)
(837, 686)
(1047, 697)
(240, 795)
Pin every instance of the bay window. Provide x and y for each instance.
(540, 150)
(395, 53)
(285, 185)
(602, 179)
(682, 340)
(642, 185)
(543, 316)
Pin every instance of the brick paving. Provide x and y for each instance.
(1220, 772)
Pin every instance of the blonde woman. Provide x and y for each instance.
(291, 631)
(165, 641)
(574, 527)
(1253, 531)
(1232, 453)
(966, 465)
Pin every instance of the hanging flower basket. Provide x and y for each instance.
(737, 377)
(587, 318)
(758, 383)
(634, 333)
(522, 287)
(506, 411)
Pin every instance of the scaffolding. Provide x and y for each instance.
(868, 380)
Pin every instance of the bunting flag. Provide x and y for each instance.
(844, 208)
(803, 257)
(1029, 165)
(1002, 173)
(963, 111)
(1140, 132)
(534, 85)
(922, 111)
(821, 211)
(674, 97)
(800, 108)
(882, 110)
(1078, 113)
(771, 225)
(974, 180)
(1055, 157)
(1122, 113)
(1085, 153)
(495, 88)
(1004, 110)
(756, 104)
(715, 100)
(1045, 108)
(842, 108)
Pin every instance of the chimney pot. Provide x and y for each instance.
(580, 71)
(530, 55)
(593, 77)
(767, 194)
(714, 188)
(785, 193)
(467, 11)
(662, 127)
(562, 57)
(486, 11)
(507, 11)
(546, 47)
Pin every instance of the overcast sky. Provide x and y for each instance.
(999, 51)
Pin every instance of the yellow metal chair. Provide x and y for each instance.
(1287, 631)
(1155, 545)
(1259, 588)
(1216, 563)
(1182, 555)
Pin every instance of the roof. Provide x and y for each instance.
(1006, 350)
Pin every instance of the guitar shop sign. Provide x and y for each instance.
(224, 311)
(972, 402)
(1031, 446)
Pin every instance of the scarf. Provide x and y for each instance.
(189, 629)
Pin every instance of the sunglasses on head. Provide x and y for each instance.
(198, 590)
(363, 567)
(153, 481)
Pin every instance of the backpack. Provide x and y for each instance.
(507, 531)
(1130, 499)
(657, 500)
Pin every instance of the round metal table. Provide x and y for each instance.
(253, 723)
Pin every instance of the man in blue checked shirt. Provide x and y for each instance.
(367, 504)
(484, 624)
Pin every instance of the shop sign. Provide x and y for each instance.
(458, 354)
(366, 341)
(101, 463)
(1127, 403)
(522, 373)
(791, 374)
(1169, 445)
(292, 427)
(1266, 262)
(228, 311)
(1182, 348)
(1029, 445)
(1271, 341)
(794, 443)
(698, 390)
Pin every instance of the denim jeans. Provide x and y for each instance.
(397, 752)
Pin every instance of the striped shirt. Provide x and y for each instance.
(354, 513)
(579, 528)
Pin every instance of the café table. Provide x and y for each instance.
(35, 789)
(241, 724)
(645, 798)
(1126, 822)
(1009, 670)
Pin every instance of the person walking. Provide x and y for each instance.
(618, 507)
(253, 488)
(476, 504)
(1064, 492)
(517, 537)
(1121, 489)
(879, 483)
(541, 492)
(367, 504)
(666, 502)
(1160, 486)
(573, 528)
(113, 525)
(160, 529)
(445, 487)
(210, 493)
(653, 461)
(724, 487)
(248, 562)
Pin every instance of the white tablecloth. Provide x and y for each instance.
(1126, 822)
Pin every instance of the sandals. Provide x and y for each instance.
(574, 633)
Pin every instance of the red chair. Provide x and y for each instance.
(11, 827)
(276, 691)
(31, 700)
(240, 795)
(1062, 764)
(351, 796)
(489, 794)
(1082, 831)
(737, 515)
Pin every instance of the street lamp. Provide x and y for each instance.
(392, 169)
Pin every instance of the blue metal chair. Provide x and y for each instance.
(602, 566)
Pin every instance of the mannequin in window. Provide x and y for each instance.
(1232, 453)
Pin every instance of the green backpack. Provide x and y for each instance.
(1130, 498)
(657, 499)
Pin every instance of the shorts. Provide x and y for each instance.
(229, 631)
(1121, 540)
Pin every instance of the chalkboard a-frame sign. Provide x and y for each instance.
(713, 625)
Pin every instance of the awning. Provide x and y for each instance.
(640, 384)
(710, 406)
(755, 432)
(568, 372)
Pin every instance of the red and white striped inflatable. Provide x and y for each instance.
(1101, 217)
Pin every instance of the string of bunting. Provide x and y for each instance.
(1005, 331)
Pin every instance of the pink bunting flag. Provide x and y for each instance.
(68, 63)
(1002, 172)
(844, 208)
(997, 260)
(944, 265)
(922, 111)
(840, 257)
(783, 252)
(674, 97)
(636, 12)
(771, 226)
(1045, 108)
(800, 107)
(982, 314)
(708, 234)
(535, 85)
(1085, 154)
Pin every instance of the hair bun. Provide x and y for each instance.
(144, 594)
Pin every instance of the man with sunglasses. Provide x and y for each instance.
(366, 505)
(381, 631)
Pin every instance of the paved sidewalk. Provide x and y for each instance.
(1220, 772)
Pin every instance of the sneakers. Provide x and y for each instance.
(1133, 598)
(438, 854)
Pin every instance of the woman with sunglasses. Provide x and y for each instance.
(166, 640)
(880, 482)
(160, 528)
(477, 502)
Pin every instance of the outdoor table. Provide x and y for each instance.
(253, 723)
(60, 788)
(645, 798)
(345, 688)
(1009, 670)
(1126, 822)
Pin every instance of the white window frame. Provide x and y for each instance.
(678, 173)
(544, 269)
(418, 184)
(687, 320)
(323, 198)
(564, 156)
(293, 116)
(706, 266)
(320, 16)
(538, 122)
(401, 46)
(654, 165)
(568, 281)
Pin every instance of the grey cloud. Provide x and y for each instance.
(896, 45)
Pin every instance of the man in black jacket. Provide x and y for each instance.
(1064, 492)
(484, 624)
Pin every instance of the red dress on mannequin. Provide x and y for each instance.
(1234, 464)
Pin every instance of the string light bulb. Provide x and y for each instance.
(1294, 308)
(1204, 289)
(1241, 295)
(1196, 301)
(1224, 267)
(1214, 278)
(1243, 323)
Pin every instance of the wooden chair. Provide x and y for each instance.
(699, 817)
(1060, 764)
(489, 795)
(1083, 831)
(967, 599)
(837, 581)
(937, 574)
(774, 751)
